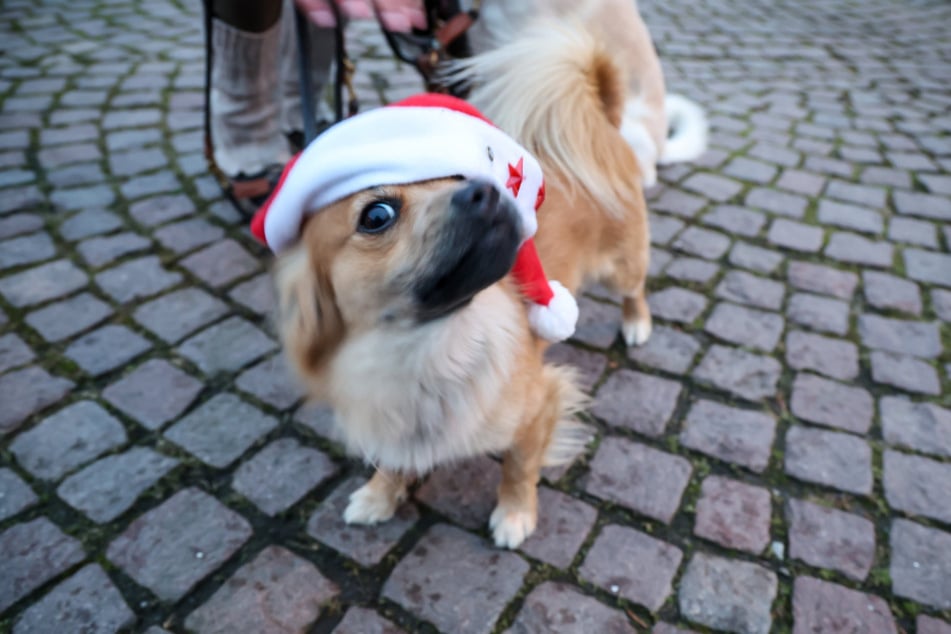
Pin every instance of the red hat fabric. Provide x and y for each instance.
(424, 137)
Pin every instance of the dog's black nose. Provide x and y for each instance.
(479, 199)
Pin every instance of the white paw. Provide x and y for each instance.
(510, 528)
(636, 333)
(369, 507)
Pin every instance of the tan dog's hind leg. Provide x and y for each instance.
(378, 499)
(629, 278)
(636, 320)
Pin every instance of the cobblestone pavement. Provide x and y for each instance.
(777, 458)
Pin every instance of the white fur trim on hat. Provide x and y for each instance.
(556, 321)
(397, 146)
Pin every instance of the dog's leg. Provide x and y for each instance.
(378, 499)
(636, 324)
(516, 514)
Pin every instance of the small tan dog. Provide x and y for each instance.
(398, 310)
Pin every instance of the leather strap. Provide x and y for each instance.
(453, 28)
(251, 188)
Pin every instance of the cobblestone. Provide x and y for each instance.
(918, 486)
(702, 243)
(667, 349)
(646, 480)
(227, 346)
(42, 283)
(364, 621)
(833, 357)
(136, 279)
(220, 430)
(829, 538)
(106, 348)
(740, 436)
(221, 263)
(633, 565)
(913, 231)
(819, 313)
(832, 404)
(677, 304)
(733, 514)
(889, 292)
(655, 398)
(727, 594)
(795, 236)
(821, 606)
(557, 608)
(853, 249)
(904, 372)
(67, 439)
(281, 474)
(754, 258)
(100, 251)
(745, 326)
(834, 459)
(276, 592)
(484, 581)
(107, 488)
(367, 545)
(33, 553)
(921, 426)
(753, 290)
(563, 525)
(906, 337)
(15, 494)
(271, 381)
(822, 279)
(747, 375)
(86, 602)
(172, 547)
(925, 266)
(921, 563)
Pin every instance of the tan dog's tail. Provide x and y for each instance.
(569, 437)
(559, 92)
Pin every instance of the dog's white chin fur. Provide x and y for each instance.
(410, 399)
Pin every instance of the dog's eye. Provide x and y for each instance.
(377, 217)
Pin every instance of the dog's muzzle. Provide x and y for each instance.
(477, 247)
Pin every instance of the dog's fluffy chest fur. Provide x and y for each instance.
(409, 400)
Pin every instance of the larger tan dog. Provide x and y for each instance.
(661, 128)
(558, 90)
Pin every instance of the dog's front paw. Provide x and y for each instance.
(510, 527)
(369, 506)
(636, 332)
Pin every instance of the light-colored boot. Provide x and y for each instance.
(245, 103)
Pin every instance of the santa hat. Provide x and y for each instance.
(422, 138)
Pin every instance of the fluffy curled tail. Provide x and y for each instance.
(556, 89)
(687, 122)
(570, 436)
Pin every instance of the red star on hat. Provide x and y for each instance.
(515, 176)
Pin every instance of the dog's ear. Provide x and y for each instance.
(309, 322)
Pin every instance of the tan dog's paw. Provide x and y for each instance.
(369, 505)
(636, 332)
(510, 527)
